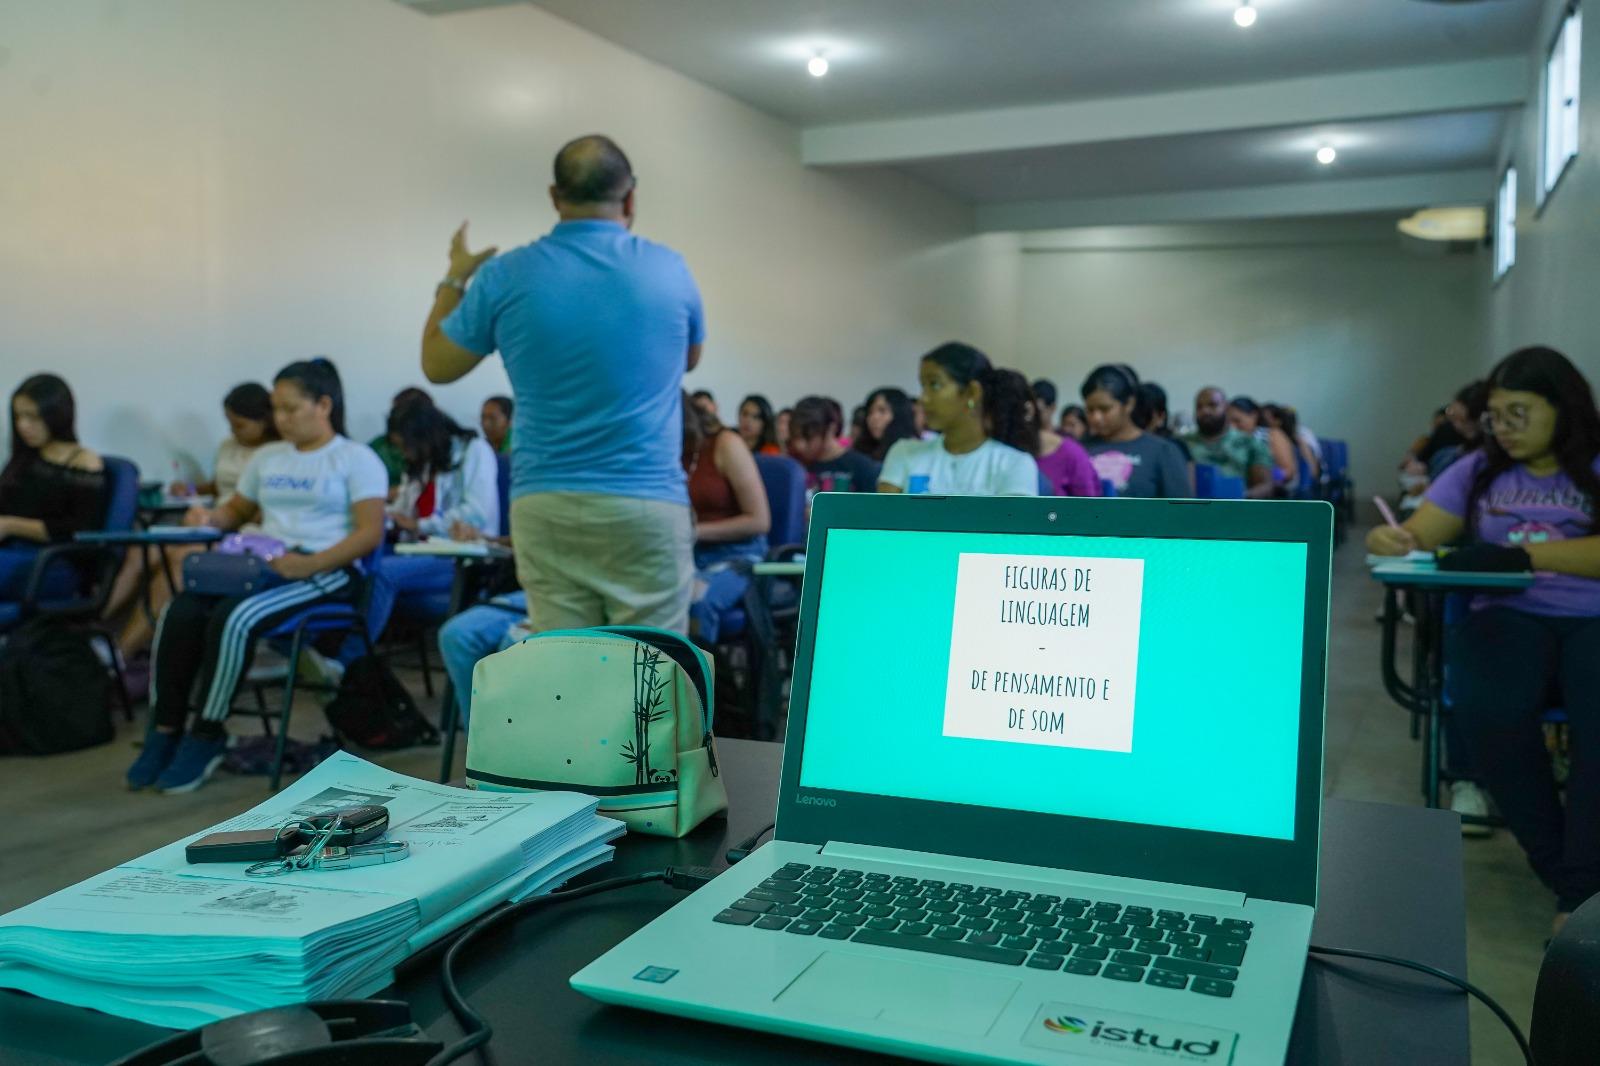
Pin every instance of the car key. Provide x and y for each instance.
(356, 825)
(338, 858)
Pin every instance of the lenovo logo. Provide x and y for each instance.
(816, 801)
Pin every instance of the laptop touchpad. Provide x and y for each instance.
(905, 993)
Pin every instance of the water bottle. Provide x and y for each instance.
(186, 484)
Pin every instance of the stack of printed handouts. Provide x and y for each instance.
(179, 945)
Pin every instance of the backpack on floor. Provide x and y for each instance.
(53, 691)
(622, 713)
(373, 709)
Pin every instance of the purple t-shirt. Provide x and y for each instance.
(1518, 508)
(1070, 471)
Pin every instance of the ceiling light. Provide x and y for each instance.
(817, 66)
(1326, 154)
(1244, 16)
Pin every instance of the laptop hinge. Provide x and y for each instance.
(976, 868)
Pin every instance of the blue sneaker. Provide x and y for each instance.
(195, 760)
(157, 753)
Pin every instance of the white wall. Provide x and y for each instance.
(195, 192)
(1549, 295)
(1362, 336)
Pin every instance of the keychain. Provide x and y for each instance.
(321, 853)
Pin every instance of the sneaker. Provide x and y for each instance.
(158, 750)
(196, 759)
(1468, 800)
(317, 668)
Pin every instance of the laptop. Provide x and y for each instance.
(1051, 790)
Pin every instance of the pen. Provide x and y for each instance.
(1383, 509)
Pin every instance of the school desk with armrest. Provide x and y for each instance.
(1426, 588)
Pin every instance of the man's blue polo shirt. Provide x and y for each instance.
(594, 325)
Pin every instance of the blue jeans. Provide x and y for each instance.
(473, 634)
(418, 586)
(716, 565)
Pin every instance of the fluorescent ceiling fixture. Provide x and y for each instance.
(1326, 154)
(817, 66)
(1244, 16)
(1447, 224)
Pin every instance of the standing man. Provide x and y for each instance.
(596, 328)
(1215, 443)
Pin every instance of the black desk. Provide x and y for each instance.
(1391, 882)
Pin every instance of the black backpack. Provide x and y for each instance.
(53, 691)
(373, 709)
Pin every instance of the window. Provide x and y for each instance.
(1505, 224)
(1561, 100)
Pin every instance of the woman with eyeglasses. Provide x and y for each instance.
(1525, 501)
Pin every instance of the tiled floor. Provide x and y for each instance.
(69, 816)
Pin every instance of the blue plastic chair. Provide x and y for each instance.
(72, 581)
(325, 617)
(1108, 491)
(785, 482)
(1211, 483)
(1045, 487)
(502, 477)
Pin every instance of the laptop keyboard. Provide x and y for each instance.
(1090, 938)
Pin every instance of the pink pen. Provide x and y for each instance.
(1383, 509)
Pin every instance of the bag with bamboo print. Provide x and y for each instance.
(622, 713)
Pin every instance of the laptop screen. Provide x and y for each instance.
(1144, 680)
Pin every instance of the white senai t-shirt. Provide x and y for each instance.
(305, 497)
(991, 469)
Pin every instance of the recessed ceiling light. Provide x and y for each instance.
(1244, 16)
(1326, 154)
(817, 66)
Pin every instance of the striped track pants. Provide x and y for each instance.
(212, 640)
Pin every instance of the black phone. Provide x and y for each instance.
(249, 845)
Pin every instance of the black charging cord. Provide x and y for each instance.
(1432, 971)
(742, 850)
(477, 1028)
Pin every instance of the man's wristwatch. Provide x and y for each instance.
(458, 284)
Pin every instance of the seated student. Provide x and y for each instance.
(1244, 415)
(1074, 423)
(1282, 416)
(1444, 432)
(479, 630)
(961, 398)
(1062, 460)
(1465, 414)
(1044, 399)
(731, 516)
(322, 495)
(858, 426)
(757, 426)
(248, 409)
(450, 477)
(1152, 416)
(495, 421)
(830, 466)
(1136, 463)
(780, 429)
(706, 404)
(1526, 500)
(51, 488)
(890, 417)
(393, 462)
(1216, 443)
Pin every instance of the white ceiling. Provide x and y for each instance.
(1045, 101)
(894, 58)
(1218, 160)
